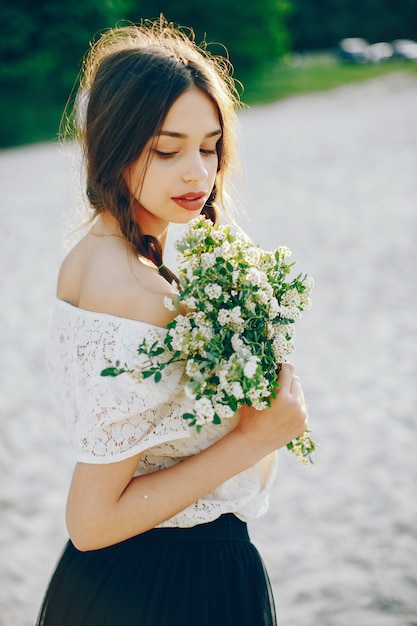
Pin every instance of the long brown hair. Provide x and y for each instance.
(131, 77)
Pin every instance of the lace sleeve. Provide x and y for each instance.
(120, 418)
(111, 419)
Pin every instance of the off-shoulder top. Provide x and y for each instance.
(111, 419)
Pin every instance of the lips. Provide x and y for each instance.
(192, 201)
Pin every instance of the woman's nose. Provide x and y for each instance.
(195, 169)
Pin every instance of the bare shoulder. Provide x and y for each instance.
(106, 276)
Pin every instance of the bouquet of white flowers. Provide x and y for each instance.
(237, 329)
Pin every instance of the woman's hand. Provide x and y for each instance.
(280, 423)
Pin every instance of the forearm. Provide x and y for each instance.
(164, 494)
(153, 498)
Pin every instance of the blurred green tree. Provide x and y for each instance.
(41, 45)
(43, 41)
(254, 33)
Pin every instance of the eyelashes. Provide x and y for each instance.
(164, 155)
(170, 155)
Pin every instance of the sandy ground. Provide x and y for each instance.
(332, 176)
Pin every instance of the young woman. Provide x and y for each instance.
(156, 512)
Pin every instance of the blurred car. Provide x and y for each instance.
(353, 50)
(405, 49)
(379, 52)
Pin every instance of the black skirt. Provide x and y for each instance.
(208, 575)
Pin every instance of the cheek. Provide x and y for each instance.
(153, 184)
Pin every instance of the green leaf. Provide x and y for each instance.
(158, 377)
(112, 371)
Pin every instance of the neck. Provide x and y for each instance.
(162, 238)
(151, 224)
(106, 225)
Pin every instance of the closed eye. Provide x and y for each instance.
(165, 155)
(170, 155)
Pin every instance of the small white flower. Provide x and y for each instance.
(284, 252)
(253, 255)
(208, 259)
(223, 372)
(263, 296)
(281, 347)
(204, 410)
(169, 304)
(259, 405)
(223, 411)
(235, 276)
(179, 343)
(237, 391)
(237, 343)
(290, 312)
(239, 346)
(223, 317)
(250, 304)
(250, 367)
(291, 297)
(234, 320)
(289, 331)
(273, 308)
(190, 303)
(182, 323)
(191, 369)
(253, 276)
(225, 250)
(213, 291)
(217, 234)
(235, 314)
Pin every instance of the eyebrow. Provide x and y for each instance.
(170, 133)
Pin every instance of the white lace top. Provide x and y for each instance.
(111, 419)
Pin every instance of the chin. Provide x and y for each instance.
(186, 217)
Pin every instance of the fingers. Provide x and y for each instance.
(285, 377)
(295, 387)
(298, 394)
(288, 381)
(291, 384)
(296, 391)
